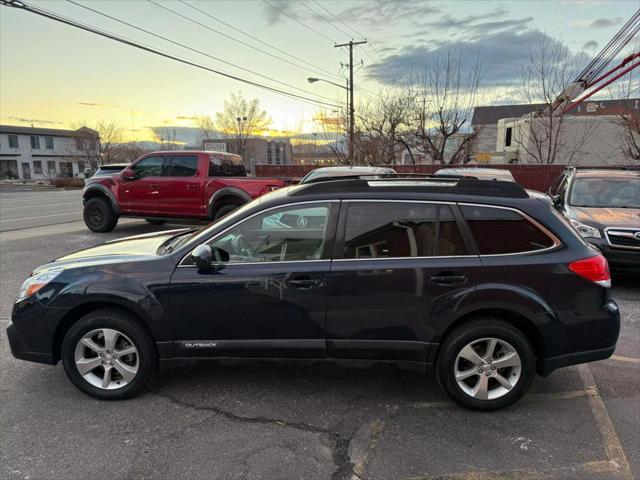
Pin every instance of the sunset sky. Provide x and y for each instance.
(53, 75)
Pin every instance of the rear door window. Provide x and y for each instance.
(182, 166)
(226, 166)
(499, 231)
(401, 229)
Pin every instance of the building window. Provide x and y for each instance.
(51, 166)
(35, 143)
(507, 140)
(270, 153)
(48, 143)
(277, 153)
(37, 167)
(13, 141)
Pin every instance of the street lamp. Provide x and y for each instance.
(349, 101)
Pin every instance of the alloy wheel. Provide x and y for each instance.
(487, 368)
(107, 358)
(96, 216)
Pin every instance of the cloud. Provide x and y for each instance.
(499, 54)
(185, 117)
(446, 22)
(380, 12)
(97, 105)
(597, 23)
(34, 120)
(277, 10)
(590, 45)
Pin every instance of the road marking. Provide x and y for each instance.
(620, 358)
(41, 216)
(612, 445)
(56, 229)
(3, 207)
(585, 469)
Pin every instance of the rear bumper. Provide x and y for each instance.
(607, 337)
(20, 350)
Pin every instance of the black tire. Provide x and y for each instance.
(225, 209)
(152, 221)
(99, 216)
(126, 324)
(478, 329)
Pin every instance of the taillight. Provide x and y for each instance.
(593, 268)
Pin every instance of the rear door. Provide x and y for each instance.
(181, 187)
(400, 269)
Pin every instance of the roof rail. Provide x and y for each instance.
(456, 184)
(633, 168)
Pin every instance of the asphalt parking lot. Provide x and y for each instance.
(270, 422)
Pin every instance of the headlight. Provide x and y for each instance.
(585, 230)
(32, 284)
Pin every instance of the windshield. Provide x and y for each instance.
(605, 192)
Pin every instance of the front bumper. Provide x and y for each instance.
(20, 350)
(618, 258)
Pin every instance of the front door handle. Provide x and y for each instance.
(448, 278)
(304, 283)
(155, 185)
(192, 186)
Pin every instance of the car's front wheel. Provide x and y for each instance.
(108, 355)
(486, 364)
(99, 216)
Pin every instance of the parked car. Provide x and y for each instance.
(473, 279)
(345, 171)
(186, 184)
(481, 173)
(604, 208)
(109, 169)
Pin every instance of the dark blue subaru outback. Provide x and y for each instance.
(479, 280)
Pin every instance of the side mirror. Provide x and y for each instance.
(203, 256)
(129, 174)
(557, 201)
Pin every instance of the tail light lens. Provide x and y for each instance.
(594, 268)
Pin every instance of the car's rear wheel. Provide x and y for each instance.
(99, 215)
(153, 221)
(108, 355)
(225, 209)
(486, 364)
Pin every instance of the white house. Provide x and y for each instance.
(28, 153)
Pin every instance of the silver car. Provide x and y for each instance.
(345, 171)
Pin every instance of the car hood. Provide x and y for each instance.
(606, 217)
(139, 247)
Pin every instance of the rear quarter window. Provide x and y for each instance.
(498, 231)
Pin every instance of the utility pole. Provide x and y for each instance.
(352, 109)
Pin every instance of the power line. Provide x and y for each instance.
(82, 26)
(324, 19)
(193, 49)
(298, 21)
(313, 67)
(340, 20)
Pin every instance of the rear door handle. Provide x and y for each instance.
(448, 278)
(155, 185)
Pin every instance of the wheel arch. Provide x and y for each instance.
(523, 322)
(79, 311)
(98, 191)
(226, 196)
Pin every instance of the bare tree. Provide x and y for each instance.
(166, 138)
(241, 119)
(109, 143)
(443, 100)
(544, 137)
(207, 128)
(628, 119)
(334, 131)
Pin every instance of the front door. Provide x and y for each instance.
(26, 171)
(399, 270)
(140, 195)
(268, 299)
(181, 191)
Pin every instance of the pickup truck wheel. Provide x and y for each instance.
(225, 209)
(486, 364)
(151, 221)
(99, 216)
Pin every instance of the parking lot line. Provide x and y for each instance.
(41, 216)
(612, 445)
(620, 358)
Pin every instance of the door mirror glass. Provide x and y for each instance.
(128, 174)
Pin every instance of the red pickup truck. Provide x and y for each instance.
(184, 184)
